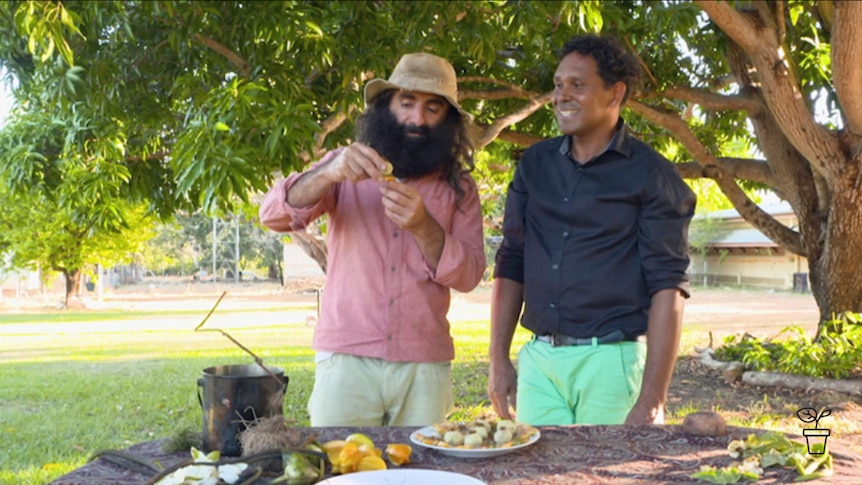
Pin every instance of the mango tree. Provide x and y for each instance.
(211, 101)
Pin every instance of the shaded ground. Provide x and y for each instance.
(710, 316)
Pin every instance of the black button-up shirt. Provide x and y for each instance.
(592, 242)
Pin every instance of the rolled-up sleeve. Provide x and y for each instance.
(509, 261)
(462, 262)
(276, 214)
(663, 232)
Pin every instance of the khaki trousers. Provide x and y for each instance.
(363, 391)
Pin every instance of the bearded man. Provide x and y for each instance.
(396, 247)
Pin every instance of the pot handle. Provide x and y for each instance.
(200, 386)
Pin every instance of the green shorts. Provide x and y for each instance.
(580, 384)
(363, 391)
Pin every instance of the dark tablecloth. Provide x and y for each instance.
(563, 455)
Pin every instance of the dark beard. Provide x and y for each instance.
(411, 156)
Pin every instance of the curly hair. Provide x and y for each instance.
(458, 164)
(615, 64)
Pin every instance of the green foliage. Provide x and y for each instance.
(64, 211)
(184, 106)
(767, 450)
(835, 354)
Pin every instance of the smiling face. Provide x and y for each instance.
(583, 105)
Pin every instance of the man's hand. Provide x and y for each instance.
(356, 162)
(503, 388)
(403, 205)
(645, 414)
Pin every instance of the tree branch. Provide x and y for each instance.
(765, 223)
(733, 23)
(711, 101)
(231, 56)
(329, 125)
(673, 123)
(494, 129)
(846, 72)
(738, 168)
(518, 138)
(641, 61)
(778, 84)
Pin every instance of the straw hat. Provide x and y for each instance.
(421, 72)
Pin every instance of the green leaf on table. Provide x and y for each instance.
(729, 474)
(773, 458)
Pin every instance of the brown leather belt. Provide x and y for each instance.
(617, 336)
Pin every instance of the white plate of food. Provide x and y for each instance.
(468, 440)
(406, 476)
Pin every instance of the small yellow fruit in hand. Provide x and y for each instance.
(398, 453)
(387, 172)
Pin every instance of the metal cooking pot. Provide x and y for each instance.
(232, 396)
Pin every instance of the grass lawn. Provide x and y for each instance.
(73, 383)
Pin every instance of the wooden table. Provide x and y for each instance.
(563, 455)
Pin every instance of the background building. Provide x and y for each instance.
(728, 250)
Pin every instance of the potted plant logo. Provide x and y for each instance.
(815, 437)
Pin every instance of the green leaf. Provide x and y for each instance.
(313, 26)
(794, 12)
(719, 476)
(220, 126)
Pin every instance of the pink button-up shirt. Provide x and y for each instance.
(382, 299)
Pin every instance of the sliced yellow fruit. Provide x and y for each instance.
(370, 463)
(370, 450)
(333, 450)
(360, 439)
(398, 453)
(349, 456)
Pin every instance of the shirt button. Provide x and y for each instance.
(392, 301)
(565, 234)
(389, 337)
(565, 199)
(556, 266)
(552, 305)
(392, 268)
(394, 234)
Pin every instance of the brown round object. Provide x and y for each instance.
(704, 423)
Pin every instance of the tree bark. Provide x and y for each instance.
(73, 285)
(836, 284)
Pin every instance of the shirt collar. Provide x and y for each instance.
(620, 142)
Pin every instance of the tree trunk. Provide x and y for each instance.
(313, 245)
(835, 282)
(73, 284)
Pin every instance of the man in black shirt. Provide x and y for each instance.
(595, 250)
